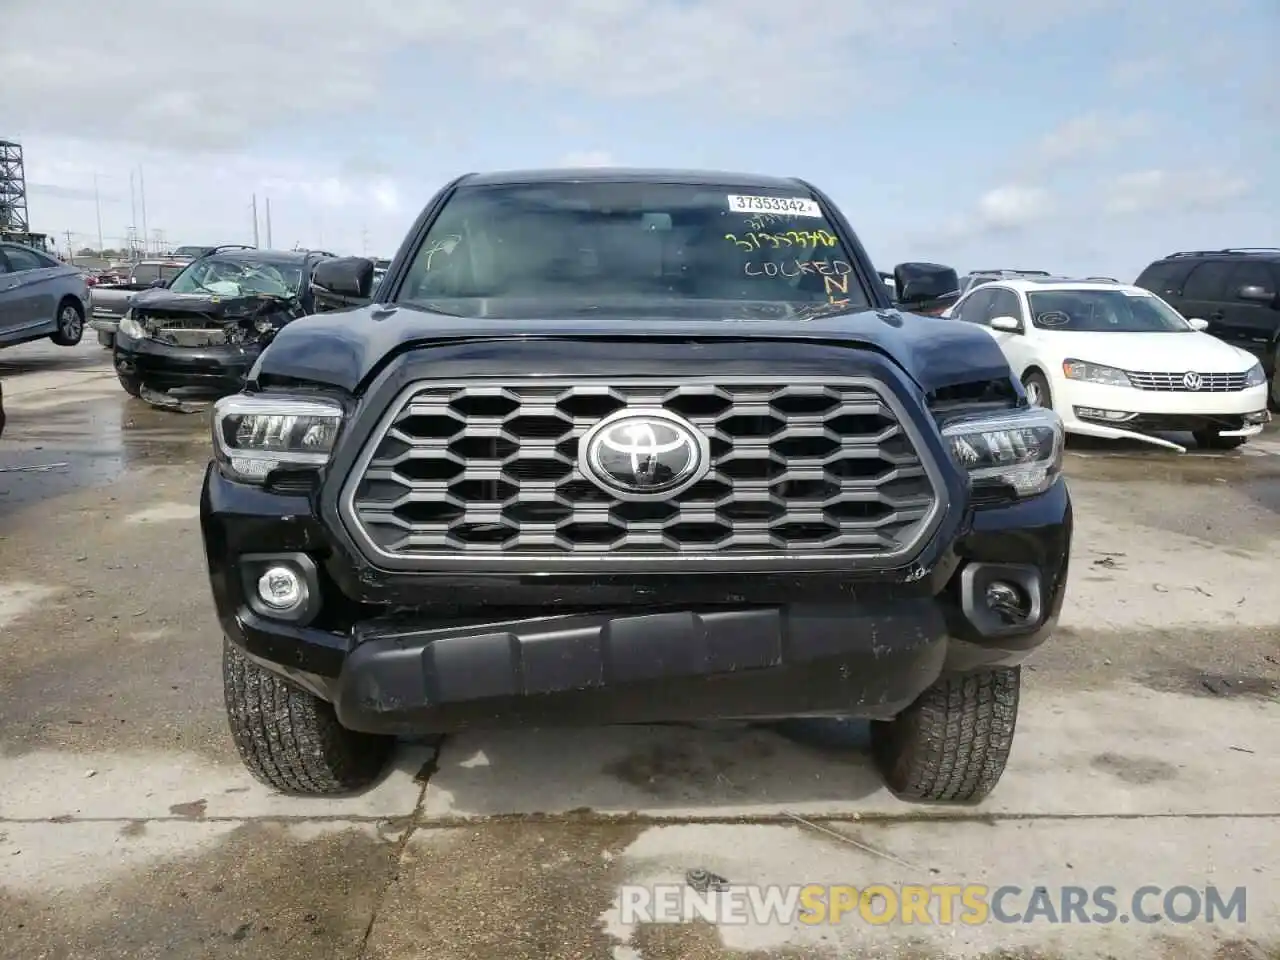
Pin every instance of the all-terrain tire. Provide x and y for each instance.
(70, 323)
(132, 385)
(290, 739)
(953, 742)
(1210, 440)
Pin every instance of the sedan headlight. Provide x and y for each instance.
(130, 327)
(254, 435)
(1094, 373)
(1022, 450)
(1255, 377)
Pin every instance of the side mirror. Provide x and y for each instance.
(1198, 324)
(1255, 294)
(342, 282)
(1008, 324)
(921, 284)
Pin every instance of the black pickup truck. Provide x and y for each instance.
(624, 446)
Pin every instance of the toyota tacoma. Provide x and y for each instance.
(626, 446)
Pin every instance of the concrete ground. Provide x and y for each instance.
(1148, 748)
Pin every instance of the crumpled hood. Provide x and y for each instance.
(218, 308)
(344, 348)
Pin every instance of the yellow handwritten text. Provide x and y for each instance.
(756, 240)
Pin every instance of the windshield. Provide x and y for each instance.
(1104, 311)
(508, 250)
(238, 278)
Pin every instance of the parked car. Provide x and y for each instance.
(1117, 361)
(1236, 290)
(191, 252)
(109, 301)
(40, 297)
(640, 467)
(205, 329)
(975, 277)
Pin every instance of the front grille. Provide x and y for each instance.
(1175, 382)
(474, 468)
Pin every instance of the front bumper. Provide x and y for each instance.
(106, 328)
(1068, 394)
(410, 653)
(162, 366)
(1117, 412)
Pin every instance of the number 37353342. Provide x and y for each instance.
(793, 206)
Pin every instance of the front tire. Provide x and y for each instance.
(291, 740)
(1209, 440)
(70, 330)
(1037, 388)
(952, 744)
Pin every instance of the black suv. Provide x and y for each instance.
(630, 446)
(1236, 291)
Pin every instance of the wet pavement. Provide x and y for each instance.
(1148, 748)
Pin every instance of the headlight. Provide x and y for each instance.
(131, 327)
(1255, 377)
(253, 435)
(1022, 450)
(1094, 373)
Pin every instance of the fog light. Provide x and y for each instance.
(1006, 600)
(1092, 413)
(281, 588)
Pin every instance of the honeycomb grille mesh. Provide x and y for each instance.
(492, 468)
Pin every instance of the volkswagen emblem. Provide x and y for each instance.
(647, 454)
(1192, 381)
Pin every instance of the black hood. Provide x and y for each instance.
(345, 348)
(214, 306)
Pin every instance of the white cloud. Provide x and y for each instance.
(587, 158)
(1012, 207)
(1090, 135)
(1003, 210)
(1135, 71)
(216, 80)
(312, 200)
(1170, 191)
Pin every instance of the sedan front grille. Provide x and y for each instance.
(492, 468)
(1188, 382)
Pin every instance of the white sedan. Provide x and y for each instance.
(1116, 361)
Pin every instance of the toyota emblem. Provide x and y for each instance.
(1192, 381)
(648, 454)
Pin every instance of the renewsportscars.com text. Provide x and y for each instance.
(931, 904)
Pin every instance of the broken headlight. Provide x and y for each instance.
(254, 435)
(1022, 450)
(130, 327)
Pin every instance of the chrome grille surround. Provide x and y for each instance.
(1172, 382)
(483, 473)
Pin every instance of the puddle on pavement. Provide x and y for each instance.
(50, 450)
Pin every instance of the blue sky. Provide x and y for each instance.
(1087, 136)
